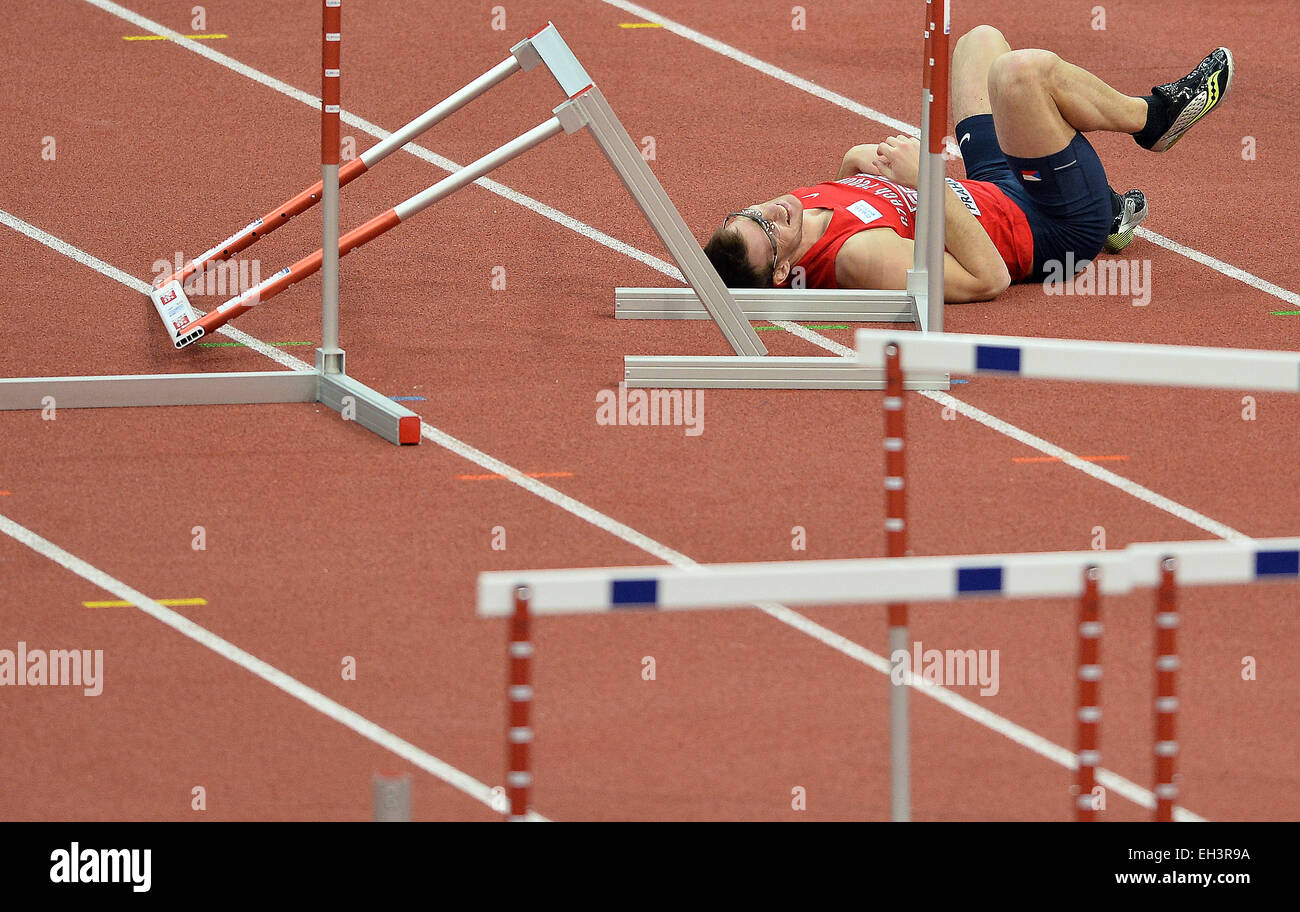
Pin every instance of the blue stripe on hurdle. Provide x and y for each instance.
(979, 579)
(639, 592)
(997, 358)
(1277, 563)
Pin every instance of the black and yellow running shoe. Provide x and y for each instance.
(1130, 210)
(1188, 100)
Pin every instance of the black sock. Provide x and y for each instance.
(1157, 121)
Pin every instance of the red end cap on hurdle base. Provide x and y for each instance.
(408, 430)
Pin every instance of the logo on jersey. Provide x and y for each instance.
(865, 211)
(1031, 176)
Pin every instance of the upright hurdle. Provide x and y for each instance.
(1084, 575)
(921, 303)
(328, 383)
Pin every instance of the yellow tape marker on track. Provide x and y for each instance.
(170, 603)
(165, 38)
(640, 25)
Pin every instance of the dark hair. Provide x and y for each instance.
(727, 252)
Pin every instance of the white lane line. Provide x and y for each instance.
(893, 123)
(1005, 727)
(1232, 272)
(359, 123)
(767, 69)
(251, 663)
(93, 262)
(1128, 486)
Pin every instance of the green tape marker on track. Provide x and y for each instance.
(241, 344)
(805, 325)
(1286, 313)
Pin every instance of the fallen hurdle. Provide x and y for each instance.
(328, 383)
(587, 108)
(921, 303)
(584, 108)
(1161, 567)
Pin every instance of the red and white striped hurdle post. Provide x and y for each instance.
(936, 190)
(1166, 706)
(519, 693)
(900, 790)
(330, 357)
(1089, 704)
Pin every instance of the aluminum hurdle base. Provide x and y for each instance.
(830, 305)
(355, 401)
(765, 372)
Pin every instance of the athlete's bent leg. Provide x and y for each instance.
(1039, 101)
(971, 60)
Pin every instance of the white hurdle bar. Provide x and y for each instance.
(1099, 362)
(519, 594)
(882, 580)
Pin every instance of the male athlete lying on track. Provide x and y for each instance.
(1036, 191)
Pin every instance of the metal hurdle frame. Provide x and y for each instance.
(921, 303)
(1162, 567)
(585, 107)
(327, 383)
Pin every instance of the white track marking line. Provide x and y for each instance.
(767, 69)
(893, 123)
(1128, 486)
(1005, 727)
(251, 663)
(130, 281)
(1232, 272)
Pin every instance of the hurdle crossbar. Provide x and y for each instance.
(883, 580)
(1099, 362)
(348, 172)
(372, 229)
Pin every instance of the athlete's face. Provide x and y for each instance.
(782, 222)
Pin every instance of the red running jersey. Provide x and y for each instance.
(864, 202)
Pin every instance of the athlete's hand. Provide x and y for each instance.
(898, 159)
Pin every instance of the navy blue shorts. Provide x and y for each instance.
(1065, 196)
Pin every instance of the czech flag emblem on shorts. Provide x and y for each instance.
(1031, 176)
